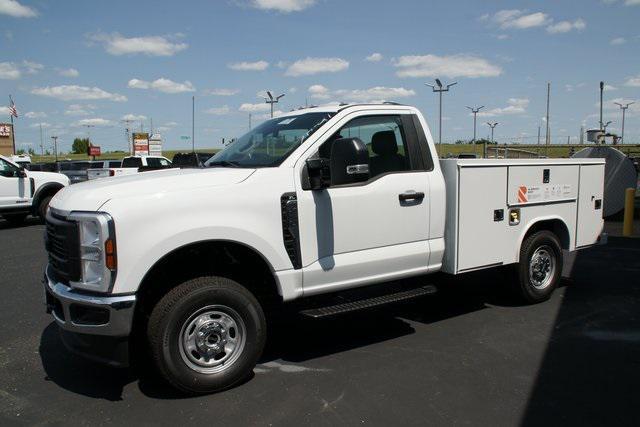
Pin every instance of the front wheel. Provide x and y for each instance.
(206, 335)
(540, 266)
(42, 207)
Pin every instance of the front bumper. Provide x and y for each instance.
(96, 327)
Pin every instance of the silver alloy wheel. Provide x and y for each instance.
(212, 339)
(542, 267)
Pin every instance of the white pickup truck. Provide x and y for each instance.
(24, 192)
(129, 166)
(191, 263)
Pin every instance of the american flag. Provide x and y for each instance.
(12, 108)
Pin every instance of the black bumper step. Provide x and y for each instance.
(372, 302)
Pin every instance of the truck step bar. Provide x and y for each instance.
(361, 304)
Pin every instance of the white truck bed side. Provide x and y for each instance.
(482, 194)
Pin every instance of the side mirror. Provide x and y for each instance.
(318, 173)
(349, 161)
(21, 173)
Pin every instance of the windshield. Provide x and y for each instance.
(270, 143)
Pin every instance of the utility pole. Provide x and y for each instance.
(547, 138)
(193, 124)
(601, 94)
(439, 88)
(270, 99)
(41, 141)
(623, 107)
(492, 126)
(581, 135)
(55, 146)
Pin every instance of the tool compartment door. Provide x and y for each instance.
(535, 184)
(590, 208)
(482, 239)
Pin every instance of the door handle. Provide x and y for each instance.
(410, 195)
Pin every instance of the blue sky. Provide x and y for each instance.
(73, 63)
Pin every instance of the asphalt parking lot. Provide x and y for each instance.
(467, 356)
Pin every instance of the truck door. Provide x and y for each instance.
(13, 189)
(373, 230)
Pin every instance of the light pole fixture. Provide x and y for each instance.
(439, 88)
(270, 99)
(623, 107)
(55, 146)
(492, 126)
(605, 126)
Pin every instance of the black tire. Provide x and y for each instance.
(43, 206)
(170, 322)
(537, 279)
(15, 219)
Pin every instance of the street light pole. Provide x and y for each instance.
(475, 113)
(601, 94)
(439, 88)
(55, 146)
(270, 99)
(623, 107)
(492, 126)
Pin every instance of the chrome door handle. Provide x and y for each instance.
(410, 195)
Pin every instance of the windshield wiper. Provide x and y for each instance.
(225, 164)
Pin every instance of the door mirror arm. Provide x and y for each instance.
(21, 173)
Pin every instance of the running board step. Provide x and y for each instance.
(362, 304)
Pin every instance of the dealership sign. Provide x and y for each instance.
(94, 150)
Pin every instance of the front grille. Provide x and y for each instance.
(61, 242)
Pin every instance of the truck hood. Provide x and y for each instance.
(90, 195)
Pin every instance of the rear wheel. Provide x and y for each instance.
(15, 219)
(540, 266)
(206, 335)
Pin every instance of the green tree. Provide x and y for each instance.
(80, 145)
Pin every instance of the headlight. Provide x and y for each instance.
(98, 262)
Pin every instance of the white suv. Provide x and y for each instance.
(24, 192)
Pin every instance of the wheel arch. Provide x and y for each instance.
(555, 224)
(48, 189)
(227, 258)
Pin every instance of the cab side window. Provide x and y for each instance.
(7, 169)
(385, 138)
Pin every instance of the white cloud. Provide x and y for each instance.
(162, 85)
(35, 115)
(74, 92)
(283, 5)
(116, 44)
(79, 110)
(249, 66)
(218, 111)
(514, 106)
(252, 108)
(9, 71)
(626, 2)
(374, 57)
(566, 26)
(610, 87)
(572, 87)
(374, 94)
(502, 36)
(618, 41)
(133, 117)
(221, 92)
(96, 121)
(309, 66)
(4, 110)
(517, 19)
(31, 67)
(633, 81)
(17, 10)
(68, 72)
(447, 66)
